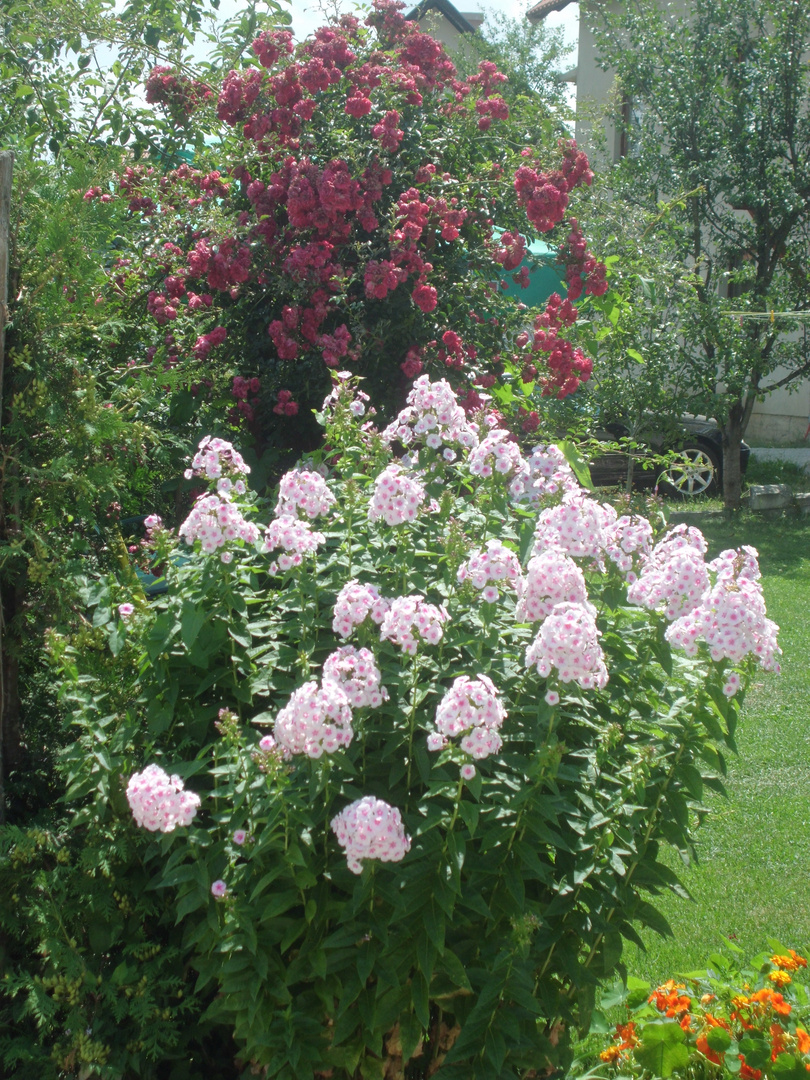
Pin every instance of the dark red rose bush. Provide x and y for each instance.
(354, 221)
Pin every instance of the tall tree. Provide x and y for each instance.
(721, 113)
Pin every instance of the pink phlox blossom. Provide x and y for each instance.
(356, 673)
(496, 453)
(125, 610)
(742, 563)
(397, 496)
(548, 474)
(316, 720)
(215, 458)
(496, 564)
(674, 576)
(432, 416)
(731, 617)
(344, 394)
(552, 578)
(158, 802)
(296, 538)
(369, 828)
(305, 491)
(568, 640)
(214, 520)
(579, 526)
(354, 604)
(218, 889)
(470, 708)
(409, 616)
(629, 541)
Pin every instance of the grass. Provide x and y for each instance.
(753, 876)
(777, 471)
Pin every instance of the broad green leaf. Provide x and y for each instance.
(663, 1048)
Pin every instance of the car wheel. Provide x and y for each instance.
(697, 474)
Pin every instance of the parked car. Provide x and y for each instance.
(697, 470)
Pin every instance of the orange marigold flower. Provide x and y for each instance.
(611, 1053)
(777, 1041)
(707, 999)
(766, 997)
(780, 978)
(789, 963)
(627, 1034)
(798, 960)
(802, 1041)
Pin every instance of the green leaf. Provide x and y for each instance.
(191, 622)
(635, 355)
(718, 1039)
(757, 1052)
(663, 1048)
(410, 1033)
(577, 463)
(420, 996)
(788, 1067)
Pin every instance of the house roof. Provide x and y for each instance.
(545, 7)
(444, 7)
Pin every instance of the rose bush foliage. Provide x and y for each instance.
(349, 223)
(427, 824)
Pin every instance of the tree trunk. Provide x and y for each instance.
(732, 440)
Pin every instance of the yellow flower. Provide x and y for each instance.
(781, 978)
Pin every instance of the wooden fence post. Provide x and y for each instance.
(6, 172)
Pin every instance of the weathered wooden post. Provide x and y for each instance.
(6, 171)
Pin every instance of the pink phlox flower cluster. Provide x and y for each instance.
(731, 620)
(158, 801)
(471, 708)
(496, 453)
(216, 458)
(743, 563)
(548, 473)
(409, 616)
(355, 602)
(214, 520)
(674, 576)
(568, 640)
(731, 617)
(316, 720)
(397, 496)
(551, 578)
(628, 541)
(433, 416)
(356, 673)
(305, 491)
(295, 537)
(678, 538)
(344, 393)
(369, 828)
(579, 526)
(497, 563)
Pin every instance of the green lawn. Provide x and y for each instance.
(753, 876)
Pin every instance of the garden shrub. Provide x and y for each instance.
(383, 786)
(734, 1019)
(348, 223)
